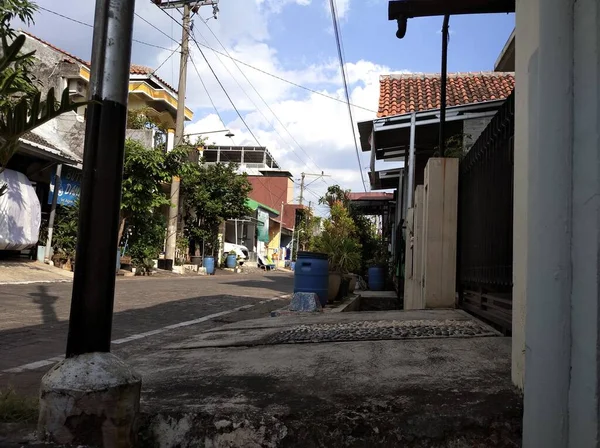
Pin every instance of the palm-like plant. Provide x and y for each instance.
(21, 106)
(29, 112)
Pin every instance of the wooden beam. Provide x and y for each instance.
(426, 8)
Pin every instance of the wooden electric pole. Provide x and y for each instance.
(180, 119)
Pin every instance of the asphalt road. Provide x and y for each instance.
(34, 317)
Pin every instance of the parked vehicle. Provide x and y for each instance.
(241, 252)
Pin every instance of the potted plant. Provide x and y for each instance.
(348, 260)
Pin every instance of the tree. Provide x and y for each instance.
(21, 105)
(212, 194)
(338, 240)
(335, 194)
(145, 170)
(306, 228)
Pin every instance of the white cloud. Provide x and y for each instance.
(319, 125)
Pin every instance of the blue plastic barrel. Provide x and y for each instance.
(231, 260)
(209, 264)
(311, 274)
(376, 278)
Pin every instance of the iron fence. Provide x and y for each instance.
(485, 222)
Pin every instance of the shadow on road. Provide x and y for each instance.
(32, 343)
(46, 302)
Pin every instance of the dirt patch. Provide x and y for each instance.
(379, 303)
(409, 418)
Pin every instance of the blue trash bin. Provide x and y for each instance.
(209, 264)
(311, 274)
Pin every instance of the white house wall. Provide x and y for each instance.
(557, 219)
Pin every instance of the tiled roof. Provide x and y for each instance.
(69, 55)
(135, 69)
(30, 136)
(143, 70)
(34, 139)
(400, 94)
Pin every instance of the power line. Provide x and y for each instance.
(308, 89)
(92, 26)
(338, 39)
(261, 97)
(253, 67)
(255, 105)
(206, 90)
(268, 188)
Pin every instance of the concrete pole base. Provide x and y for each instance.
(92, 400)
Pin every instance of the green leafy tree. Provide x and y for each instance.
(307, 228)
(367, 237)
(64, 236)
(335, 194)
(145, 172)
(212, 194)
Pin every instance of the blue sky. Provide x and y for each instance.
(292, 39)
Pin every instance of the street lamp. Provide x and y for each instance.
(229, 133)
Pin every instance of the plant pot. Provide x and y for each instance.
(352, 285)
(335, 281)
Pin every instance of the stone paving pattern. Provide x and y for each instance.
(34, 317)
(378, 330)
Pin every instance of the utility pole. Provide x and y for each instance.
(179, 122)
(180, 119)
(92, 386)
(302, 188)
(303, 177)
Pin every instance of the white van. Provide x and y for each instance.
(241, 252)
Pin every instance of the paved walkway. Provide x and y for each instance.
(34, 317)
(239, 384)
(25, 272)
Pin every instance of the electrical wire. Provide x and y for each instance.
(338, 40)
(255, 105)
(253, 67)
(89, 25)
(261, 97)
(308, 89)
(207, 92)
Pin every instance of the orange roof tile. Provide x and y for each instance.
(400, 94)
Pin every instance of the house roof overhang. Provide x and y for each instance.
(371, 203)
(48, 153)
(388, 138)
(506, 59)
(386, 179)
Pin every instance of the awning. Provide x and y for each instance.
(254, 205)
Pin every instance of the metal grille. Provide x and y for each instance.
(485, 213)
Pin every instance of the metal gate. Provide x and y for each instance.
(485, 222)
